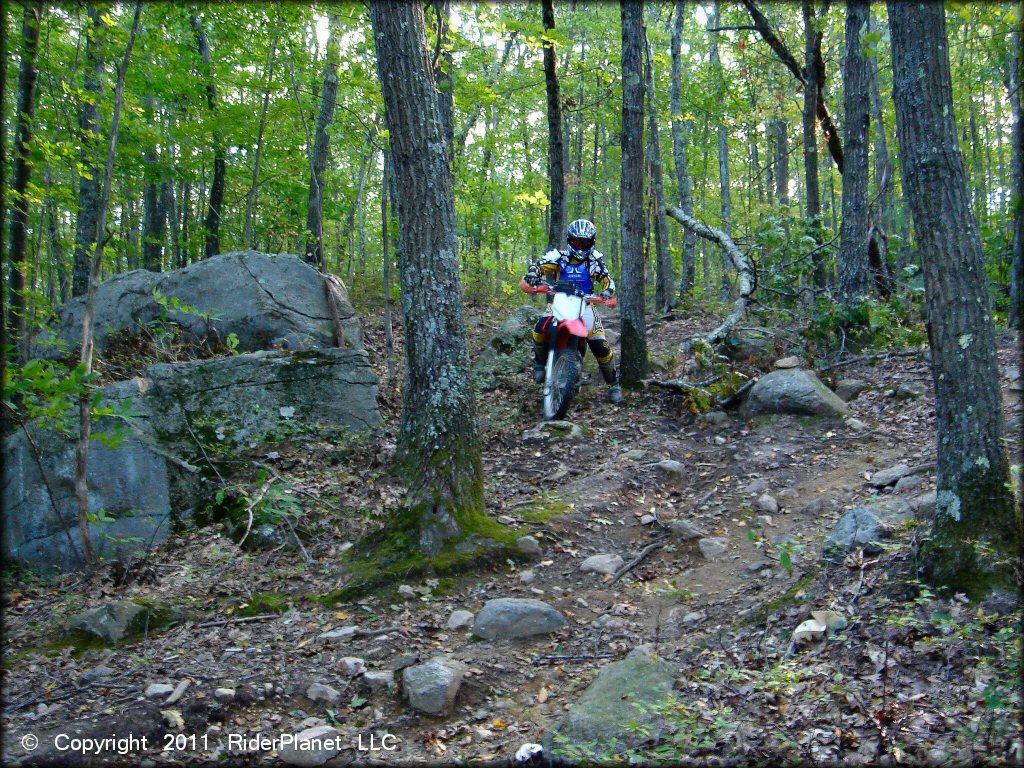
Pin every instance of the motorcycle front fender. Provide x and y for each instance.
(576, 327)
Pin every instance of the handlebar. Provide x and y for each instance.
(547, 289)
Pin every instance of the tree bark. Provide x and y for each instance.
(1013, 84)
(439, 448)
(812, 43)
(88, 315)
(211, 242)
(314, 253)
(443, 66)
(664, 285)
(781, 163)
(556, 146)
(976, 537)
(154, 204)
(881, 211)
(854, 270)
(27, 76)
(723, 146)
(247, 231)
(679, 142)
(88, 180)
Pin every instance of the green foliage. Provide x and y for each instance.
(867, 322)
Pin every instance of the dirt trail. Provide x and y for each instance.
(676, 598)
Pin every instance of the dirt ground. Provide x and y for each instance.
(881, 691)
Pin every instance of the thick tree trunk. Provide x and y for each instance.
(679, 140)
(211, 243)
(723, 148)
(314, 253)
(812, 42)
(438, 443)
(781, 163)
(556, 146)
(154, 204)
(1014, 79)
(664, 285)
(631, 217)
(27, 76)
(247, 231)
(854, 270)
(976, 537)
(881, 211)
(443, 66)
(88, 180)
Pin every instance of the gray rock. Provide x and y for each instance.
(889, 476)
(911, 390)
(767, 503)
(158, 690)
(865, 527)
(685, 530)
(511, 617)
(787, 497)
(636, 454)
(351, 666)
(671, 472)
(758, 565)
(749, 348)
(924, 505)
(605, 564)
(719, 440)
(529, 546)
(711, 548)
(380, 679)
(516, 332)
(850, 389)
(795, 391)
(338, 636)
(756, 486)
(623, 692)
(527, 576)
(908, 483)
(714, 419)
(265, 300)
(98, 672)
(814, 507)
(555, 430)
(432, 686)
(224, 694)
(608, 621)
(856, 425)
(312, 747)
(788, 362)
(326, 694)
(407, 592)
(693, 617)
(110, 622)
(460, 620)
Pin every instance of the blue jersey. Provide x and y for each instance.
(577, 274)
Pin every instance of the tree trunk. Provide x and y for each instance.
(556, 147)
(443, 66)
(976, 537)
(27, 76)
(679, 140)
(812, 189)
(88, 180)
(321, 149)
(88, 315)
(1013, 84)
(781, 163)
(881, 212)
(439, 448)
(631, 217)
(385, 241)
(723, 147)
(154, 200)
(211, 243)
(664, 286)
(854, 270)
(247, 235)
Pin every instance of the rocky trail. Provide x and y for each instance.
(695, 539)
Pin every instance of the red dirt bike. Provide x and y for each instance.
(567, 328)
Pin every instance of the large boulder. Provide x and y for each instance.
(509, 352)
(267, 301)
(795, 391)
(865, 527)
(512, 617)
(623, 692)
(152, 477)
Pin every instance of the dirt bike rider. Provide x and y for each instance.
(581, 264)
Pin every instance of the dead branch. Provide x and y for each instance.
(238, 620)
(745, 268)
(638, 559)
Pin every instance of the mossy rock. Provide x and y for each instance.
(120, 620)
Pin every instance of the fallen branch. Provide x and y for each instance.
(239, 620)
(878, 356)
(638, 559)
(746, 270)
(573, 656)
(259, 497)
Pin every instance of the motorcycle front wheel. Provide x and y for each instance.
(560, 385)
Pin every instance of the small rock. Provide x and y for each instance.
(635, 454)
(758, 565)
(403, 661)
(719, 440)
(431, 687)
(529, 546)
(510, 617)
(908, 483)
(351, 666)
(527, 576)
(764, 521)
(607, 621)
(605, 564)
(714, 419)
(924, 505)
(311, 747)
(787, 497)
(671, 470)
(856, 425)
(889, 476)
(767, 503)
(756, 486)
(324, 693)
(788, 362)
(865, 527)
(460, 620)
(813, 507)
(711, 548)
(337, 636)
(407, 592)
(381, 679)
(910, 390)
(685, 530)
(179, 691)
(224, 694)
(850, 389)
(693, 617)
(648, 519)
(96, 673)
(158, 690)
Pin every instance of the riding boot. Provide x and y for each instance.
(540, 355)
(612, 380)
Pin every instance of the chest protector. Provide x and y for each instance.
(577, 274)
